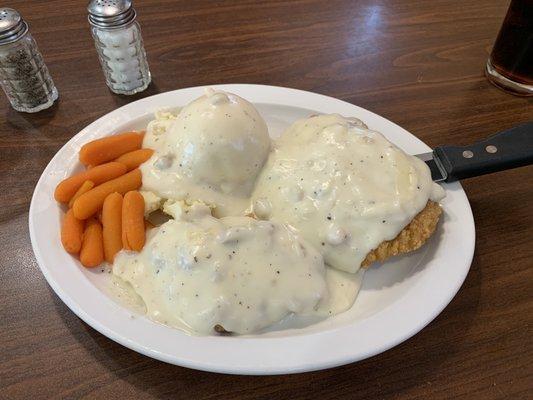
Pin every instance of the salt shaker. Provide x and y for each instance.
(117, 37)
(23, 74)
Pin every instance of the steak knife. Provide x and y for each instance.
(507, 149)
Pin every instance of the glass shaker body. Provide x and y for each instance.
(123, 59)
(24, 76)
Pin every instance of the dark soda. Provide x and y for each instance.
(512, 55)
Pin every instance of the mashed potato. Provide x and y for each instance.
(211, 151)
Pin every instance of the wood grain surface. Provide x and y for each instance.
(417, 62)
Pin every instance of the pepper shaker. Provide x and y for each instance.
(23, 74)
(118, 41)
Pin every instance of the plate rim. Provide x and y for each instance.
(258, 369)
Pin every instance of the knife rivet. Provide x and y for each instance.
(491, 149)
(468, 154)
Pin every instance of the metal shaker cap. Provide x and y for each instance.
(12, 26)
(110, 13)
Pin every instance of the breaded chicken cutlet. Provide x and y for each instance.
(410, 238)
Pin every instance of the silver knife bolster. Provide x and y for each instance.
(441, 168)
(432, 158)
(425, 156)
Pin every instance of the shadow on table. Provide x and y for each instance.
(28, 142)
(28, 122)
(409, 366)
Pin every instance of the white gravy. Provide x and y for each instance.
(211, 151)
(237, 272)
(344, 187)
(331, 191)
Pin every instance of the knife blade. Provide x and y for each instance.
(507, 149)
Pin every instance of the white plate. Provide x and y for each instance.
(396, 300)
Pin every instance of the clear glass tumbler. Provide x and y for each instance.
(510, 65)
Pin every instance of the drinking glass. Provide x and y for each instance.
(510, 65)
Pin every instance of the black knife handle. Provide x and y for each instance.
(508, 149)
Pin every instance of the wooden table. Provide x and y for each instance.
(418, 63)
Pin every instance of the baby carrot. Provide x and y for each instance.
(71, 233)
(112, 225)
(100, 174)
(106, 149)
(133, 234)
(92, 248)
(135, 158)
(84, 188)
(89, 203)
